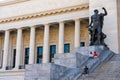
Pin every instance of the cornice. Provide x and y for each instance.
(12, 2)
(45, 13)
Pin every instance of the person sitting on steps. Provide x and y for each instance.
(96, 54)
(86, 70)
(91, 56)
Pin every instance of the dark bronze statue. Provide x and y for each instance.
(95, 28)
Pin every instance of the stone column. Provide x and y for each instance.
(46, 55)
(77, 33)
(18, 48)
(32, 46)
(61, 38)
(6, 49)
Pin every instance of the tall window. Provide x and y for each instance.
(66, 48)
(27, 51)
(52, 52)
(14, 56)
(39, 54)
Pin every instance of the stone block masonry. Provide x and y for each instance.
(44, 71)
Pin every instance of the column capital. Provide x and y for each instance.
(62, 22)
(47, 24)
(34, 26)
(7, 30)
(19, 28)
(77, 19)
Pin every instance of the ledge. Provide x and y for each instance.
(12, 72)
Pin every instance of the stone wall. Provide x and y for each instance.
(84, 34)
(44, 72)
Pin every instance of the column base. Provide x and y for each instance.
(16, 68)
(19, 67)
(3, 69)
(22, 67)
(7, 68)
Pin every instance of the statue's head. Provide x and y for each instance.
(96, 11)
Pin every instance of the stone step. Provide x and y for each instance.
(116, 57)
(106, 71)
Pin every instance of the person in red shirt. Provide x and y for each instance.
(95, 54)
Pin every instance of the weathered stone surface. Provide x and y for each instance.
(44, 71)
(36, 71)
(70, 60)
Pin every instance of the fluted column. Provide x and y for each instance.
(18, 48)
(61, 38)
(6, 49)
(46, 53)
(32, 46)
(77, 34)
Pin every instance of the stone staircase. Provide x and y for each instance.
(69, 66)
(106, 71)
(104, 55)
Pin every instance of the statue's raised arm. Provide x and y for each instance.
(105, 11)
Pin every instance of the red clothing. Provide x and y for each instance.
(95, 54)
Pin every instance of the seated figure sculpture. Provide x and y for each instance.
(95, 28)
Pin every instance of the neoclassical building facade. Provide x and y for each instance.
(33, 31)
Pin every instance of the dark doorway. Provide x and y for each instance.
(14, 57)
(52, 52)
(39, 54)
(27, 51)
(66, 48)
